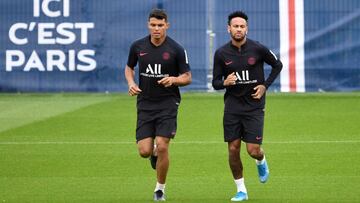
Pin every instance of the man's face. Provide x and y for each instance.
(157, 28)
(238, 29)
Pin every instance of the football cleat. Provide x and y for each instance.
(240, 196)
(263, 171)
(153, 160)
(159, 196)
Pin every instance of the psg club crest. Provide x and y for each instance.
(251, 61)
(166, 56)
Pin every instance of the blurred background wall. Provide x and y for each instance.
(317, 40)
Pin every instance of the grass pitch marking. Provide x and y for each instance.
(174, 142)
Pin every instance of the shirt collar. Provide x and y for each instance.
(233, 47)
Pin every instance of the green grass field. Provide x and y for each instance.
(81, 148)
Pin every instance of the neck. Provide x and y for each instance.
(238, 43)
(159, 41)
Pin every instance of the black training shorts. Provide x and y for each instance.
(247, 127)
(160, 122)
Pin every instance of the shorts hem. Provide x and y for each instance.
(252, 142)
(232, 139)
(143, 137)
(246, 141)
(166, 136)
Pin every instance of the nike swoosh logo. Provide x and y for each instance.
(143, 53)
(228, 63)
(258, 138)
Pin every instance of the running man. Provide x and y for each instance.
(239, 67)
(163, 67)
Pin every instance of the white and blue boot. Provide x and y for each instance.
(263, 170)
(240, 196)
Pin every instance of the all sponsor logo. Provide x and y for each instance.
(154, 71)
(244, 78)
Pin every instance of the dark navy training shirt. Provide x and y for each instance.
(248, 65)
(155, 63)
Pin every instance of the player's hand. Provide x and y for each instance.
(230, 79)
(259, 91)
(134, 89)
(167, 81)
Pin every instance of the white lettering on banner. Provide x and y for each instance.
(69, 37)
(72, 60)
(50, 33)
(12, 34)
(44, 36)
(84, 57)
(84, 27)
(46, 32)
(55, 59)
(10, 54)
(45, 7)
(34, 62)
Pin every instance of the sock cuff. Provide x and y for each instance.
(239, 181)
(260, 162)
(240, 185)
(159, 186)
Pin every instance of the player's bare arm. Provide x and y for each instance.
(259, 91)
(230, 79)
(181, 80)
(133, 87)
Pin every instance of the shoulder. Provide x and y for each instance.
(256, 44)
(140, 42)
(174, 44)
(223, 49)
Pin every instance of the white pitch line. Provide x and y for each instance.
(66, 143)
(174, 142)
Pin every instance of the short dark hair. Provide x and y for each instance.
(158, 14)
(235, 14)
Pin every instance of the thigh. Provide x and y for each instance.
(253, 128)
(145, 126)
(166, 123)
(233, 128)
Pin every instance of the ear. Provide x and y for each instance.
(228, 28)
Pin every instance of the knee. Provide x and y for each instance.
(255, 152)
(234, 150)
(145, 153)
(161, 149)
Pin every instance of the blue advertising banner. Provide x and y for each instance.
(83, 45)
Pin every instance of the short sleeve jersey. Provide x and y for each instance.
(248, 65)
(155, 63)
